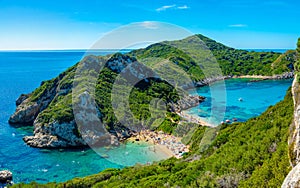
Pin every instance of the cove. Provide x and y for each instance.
(245, 98)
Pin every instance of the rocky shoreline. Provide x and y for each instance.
(287, 75)
(6, 178)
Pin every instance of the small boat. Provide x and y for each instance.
(234, 119)
(222, 122)
(227, 121)
(241, 99)
(104, 156)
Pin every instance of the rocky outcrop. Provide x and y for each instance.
(22, 98)
(293, 178)
(6, 177)
(187, 102)
(54, 135)
(294, 142)
(29, 108)
(25, 113)
(208, 81)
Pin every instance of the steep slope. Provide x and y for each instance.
(293, 178)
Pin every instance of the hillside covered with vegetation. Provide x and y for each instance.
(231, 61)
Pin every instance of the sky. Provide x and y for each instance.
(78, 24)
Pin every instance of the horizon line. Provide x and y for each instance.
(112, 49)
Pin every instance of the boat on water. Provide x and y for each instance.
(241, 99)
(104, 156)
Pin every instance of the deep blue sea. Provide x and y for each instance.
(22, 72)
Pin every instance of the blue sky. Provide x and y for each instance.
(77, 24)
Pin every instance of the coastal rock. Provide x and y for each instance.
(22, 98)
(28, 109)
(187, 102)
(54, 135)
(6, 176)
(208, 81)
(25, 113)
(293, 178)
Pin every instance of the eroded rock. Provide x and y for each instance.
(6, 176)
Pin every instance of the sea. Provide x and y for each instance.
(23, 71)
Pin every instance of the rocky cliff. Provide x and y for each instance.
(293, 178)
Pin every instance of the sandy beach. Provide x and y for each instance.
(193, 119)
(164, 143)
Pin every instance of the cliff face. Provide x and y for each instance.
(294, 142)
(293, 178)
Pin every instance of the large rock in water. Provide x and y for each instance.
(6, 176)
(25, 113)
(54, 135)
(28, 109)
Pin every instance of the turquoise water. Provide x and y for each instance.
(22, 72)
(256, 98)
(268, 50)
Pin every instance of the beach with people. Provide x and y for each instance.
(170, 145)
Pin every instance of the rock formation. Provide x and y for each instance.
(6, 177)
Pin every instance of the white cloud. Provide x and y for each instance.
(183, 7)
(165, 7)
(149, 25)
(238, 25)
